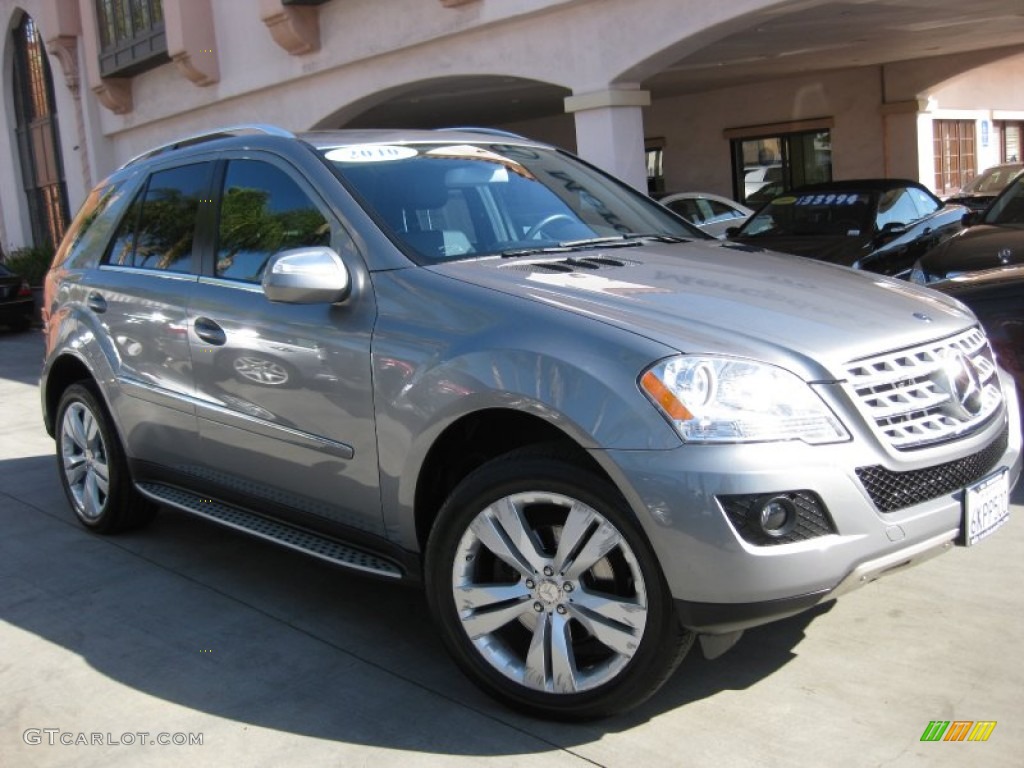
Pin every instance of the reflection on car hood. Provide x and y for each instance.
(835, 249)
(698, 297)
(983, 246)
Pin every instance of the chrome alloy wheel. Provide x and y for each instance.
(549, 592)
(84, 461)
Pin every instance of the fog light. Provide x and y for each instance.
(777, 516)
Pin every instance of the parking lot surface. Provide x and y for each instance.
(189, 644)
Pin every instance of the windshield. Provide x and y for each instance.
(443, 201)
(993, 180)
(1007, 210)
(840, 214)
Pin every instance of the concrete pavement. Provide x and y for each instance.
(186, 631)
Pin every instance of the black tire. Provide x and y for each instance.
(533, 643)
(92, 466)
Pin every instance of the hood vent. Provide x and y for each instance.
(586, 264)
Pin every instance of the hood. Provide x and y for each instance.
(711, 297)
(834, 249)
(983, 246)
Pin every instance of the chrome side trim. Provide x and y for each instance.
(219, 414)
(187, 276)
(232, 418)
(168, 398)
(223, 282)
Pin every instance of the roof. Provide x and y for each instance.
(872, 185)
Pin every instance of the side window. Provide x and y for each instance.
(158, 229)
(687, 208)
(925, 204)
(722, 211)
(263, 211)
(122, 248)
(91, 228)
(896, 206)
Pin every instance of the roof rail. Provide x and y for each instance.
(480, 129)
(219, 133)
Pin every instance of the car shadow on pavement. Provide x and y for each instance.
(233, 627)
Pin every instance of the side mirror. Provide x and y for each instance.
(731, 232)
(890, 231)
(971, 218)
(314, 275)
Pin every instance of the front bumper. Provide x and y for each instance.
(722, 582)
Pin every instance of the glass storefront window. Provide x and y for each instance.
(766, 166)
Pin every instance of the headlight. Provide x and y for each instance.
(727, 400)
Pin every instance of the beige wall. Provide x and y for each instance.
(697, 154)
(580, 45)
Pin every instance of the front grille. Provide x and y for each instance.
(930, 393)
(892, 491)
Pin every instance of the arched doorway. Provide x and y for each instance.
(42, 169)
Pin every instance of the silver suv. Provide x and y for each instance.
(471, 360)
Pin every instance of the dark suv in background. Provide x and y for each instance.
(471, 360)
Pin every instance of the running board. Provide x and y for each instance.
(270, 530)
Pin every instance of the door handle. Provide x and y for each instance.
(207, 330)
(96, 303)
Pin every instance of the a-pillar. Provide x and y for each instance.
(610, 131)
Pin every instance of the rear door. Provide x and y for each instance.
(284, 393)
(139, 295)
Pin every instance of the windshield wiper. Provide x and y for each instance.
(628, 240)
(660, 237)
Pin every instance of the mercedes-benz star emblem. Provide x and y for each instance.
(963, 385)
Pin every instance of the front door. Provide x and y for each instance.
(284, 396)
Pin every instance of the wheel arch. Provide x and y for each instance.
(475, 439)
(61, 374)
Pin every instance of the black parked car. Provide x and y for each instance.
(980, 191)
(879, 225)
(996, 296)
(16, 303)
(993, 239)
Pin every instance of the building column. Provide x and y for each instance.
(906, 153)
(610, 131)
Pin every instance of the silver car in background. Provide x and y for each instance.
(470, 360)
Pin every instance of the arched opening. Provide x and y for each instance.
(482, 100)
(36, 130)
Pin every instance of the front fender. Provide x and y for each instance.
(444, 349)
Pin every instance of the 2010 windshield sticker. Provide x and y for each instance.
(370, 153)
(831, 199)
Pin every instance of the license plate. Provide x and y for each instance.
(986, 506)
